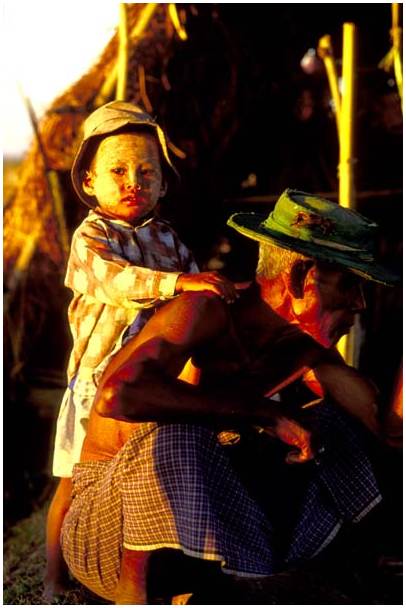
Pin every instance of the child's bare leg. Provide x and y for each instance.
(56, 572)
(132, 586)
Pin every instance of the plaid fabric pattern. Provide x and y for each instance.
(174, 486)
(93, 529)
(119, 275)
(115, 270)
(343, 489)
(169, 486)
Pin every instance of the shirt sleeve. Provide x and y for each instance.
(96, 270)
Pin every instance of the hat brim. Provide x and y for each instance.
(249, 224)
(109, 128)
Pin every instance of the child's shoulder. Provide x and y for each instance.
(97, 222)
(94, 223)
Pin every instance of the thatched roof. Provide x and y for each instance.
(60, 129)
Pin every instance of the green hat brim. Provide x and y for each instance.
(249, 224)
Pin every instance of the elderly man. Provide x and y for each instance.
(164, 464)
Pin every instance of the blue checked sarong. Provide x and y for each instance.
(343, 487)
(175, 486)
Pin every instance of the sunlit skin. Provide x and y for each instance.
(125, 176)
(331, 298)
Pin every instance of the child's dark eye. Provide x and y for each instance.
(147, 171)
(118, 170)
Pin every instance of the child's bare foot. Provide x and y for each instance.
(54, 588)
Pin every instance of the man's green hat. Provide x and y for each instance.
(319, 229)
(104, 121)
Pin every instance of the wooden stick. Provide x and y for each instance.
(143, 89)
(122, 59)
(144, 18)
(52, 180)
(325, 52)
(346, 189)
(173, 13)
(346, 163)
(396, 33)
(393, 59)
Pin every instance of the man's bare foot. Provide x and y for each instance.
(132, 585)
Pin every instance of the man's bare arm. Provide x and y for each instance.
(349, 389)
(140, 384)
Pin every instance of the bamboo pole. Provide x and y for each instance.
(325, 52)
(396, 34)
(144, 18)
(173, 14)
(346, 190)
(143, 89)
(393, 59)
(397, 46)
(346, 162)
(122, 58)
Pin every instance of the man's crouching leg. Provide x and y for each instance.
(132, 585)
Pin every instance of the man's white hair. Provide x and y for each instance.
(273, 260)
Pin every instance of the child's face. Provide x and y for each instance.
(125, 176)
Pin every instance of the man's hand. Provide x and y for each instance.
(207, 281)
(290, 432)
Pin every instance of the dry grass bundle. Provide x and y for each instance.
(61, 125)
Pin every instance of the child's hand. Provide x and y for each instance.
(207, 281)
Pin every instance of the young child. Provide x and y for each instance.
(124, 262)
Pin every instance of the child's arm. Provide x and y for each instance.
(207, 281)
(97, 270)
(56, 572)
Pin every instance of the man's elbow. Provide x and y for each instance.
(106, 402)
(122, 402)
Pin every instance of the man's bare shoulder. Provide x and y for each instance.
(167, 341)
(189, 318)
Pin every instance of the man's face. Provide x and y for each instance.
(331, 299)
(125, 176)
